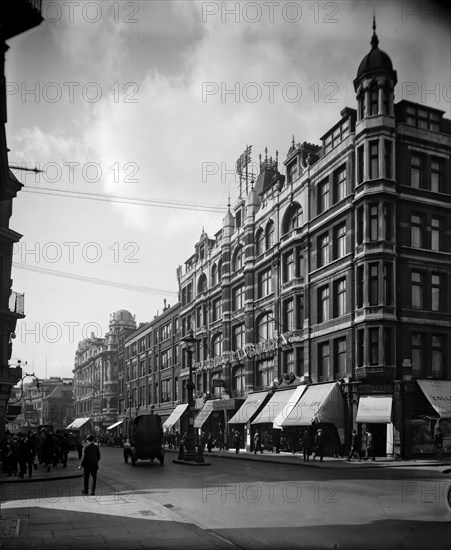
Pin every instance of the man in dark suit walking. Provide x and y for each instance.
(90, 464)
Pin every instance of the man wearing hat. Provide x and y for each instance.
(319, 444)
(90, 464)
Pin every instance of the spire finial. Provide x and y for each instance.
(228, 204)
(374, 38)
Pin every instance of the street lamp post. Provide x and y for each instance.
(190, 445)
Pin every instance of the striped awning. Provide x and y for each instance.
(174, 416)
(77, 423)
(115, 425)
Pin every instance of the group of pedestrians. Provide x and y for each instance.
(22, 452)
(362, 447)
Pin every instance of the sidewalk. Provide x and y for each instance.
(327, 462)
(41, 473)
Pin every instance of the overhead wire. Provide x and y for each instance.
(93, 280)
(124, 199)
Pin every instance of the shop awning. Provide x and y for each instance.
(274, 406)
(175, 415)
(115, 425)
(320, 403)
(288, 407)
(254, 402)
(77, 423)
(438, 393)
(374, 409)
(203, 414)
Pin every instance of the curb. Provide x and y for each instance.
(34, 479)
(340, 464)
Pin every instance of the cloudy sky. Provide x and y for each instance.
(153, 102)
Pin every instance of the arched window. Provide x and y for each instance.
(202, 283)
(219, 271)
(214, 275)
(270, 235)
(260, 241)
(292, 219)
(265, 328)
(237, 261)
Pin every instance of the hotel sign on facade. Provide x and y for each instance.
(249, 351)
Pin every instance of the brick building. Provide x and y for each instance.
(334, 273)
(151, 367)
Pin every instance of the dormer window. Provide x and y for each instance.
(292, 171)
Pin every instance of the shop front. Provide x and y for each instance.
(241, 421)
(320, 406)
(176, 422)
(273, 436)
(428, 407)
(374, 413)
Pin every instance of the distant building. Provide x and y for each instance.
(49, 404)
(96, 374)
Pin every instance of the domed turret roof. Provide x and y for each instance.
(376, 61)
(123, 316)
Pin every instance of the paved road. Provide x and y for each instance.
(243, 504)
